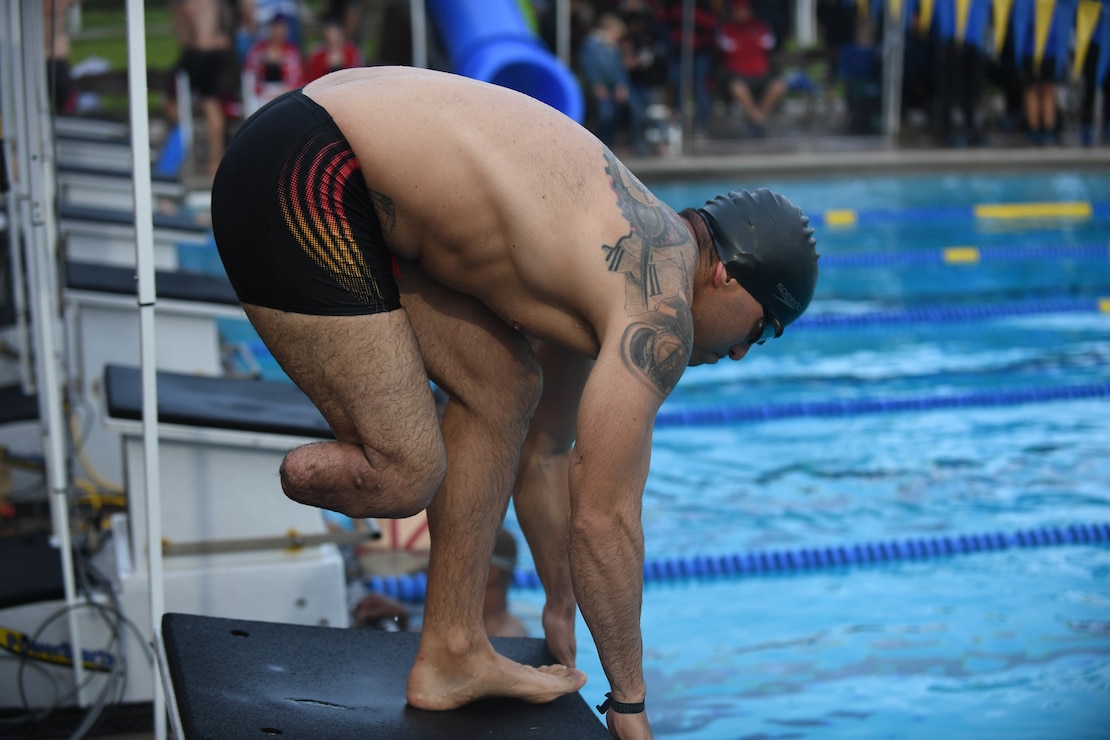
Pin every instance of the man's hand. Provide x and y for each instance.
(628, 726)
(558, 628)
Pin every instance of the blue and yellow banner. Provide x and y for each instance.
(1000, 20)
(1103, 36)
(1037, 29)
(1086, 21)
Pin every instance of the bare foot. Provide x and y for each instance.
(451, 685)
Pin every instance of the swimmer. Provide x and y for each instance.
(384, 227)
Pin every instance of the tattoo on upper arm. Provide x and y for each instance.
(653, 256)
(659, 346)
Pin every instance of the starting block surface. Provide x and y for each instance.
(240, 678)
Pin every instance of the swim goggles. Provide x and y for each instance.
(766, 328)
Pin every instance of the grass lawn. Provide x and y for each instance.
(103, 34)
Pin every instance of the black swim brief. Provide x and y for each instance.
(206, 70)
(293, 219)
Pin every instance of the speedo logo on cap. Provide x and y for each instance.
(785, 297)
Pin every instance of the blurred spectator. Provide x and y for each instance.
(203, 30)
(56, 17)
(335, 51)
(259, 14)
(645, 57)
(960, 73)
(861, 71)
(349, 14)
(581, 16)
(836, 21)
(604, 76)
(274, 64)
(779, 16)
(1039, 88)
(747, 43)
(919, 76)
(1092, 91)
(388, 34)
(704, 42)
(1002, 73)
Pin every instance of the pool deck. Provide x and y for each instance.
(845, 156)
(826, 153)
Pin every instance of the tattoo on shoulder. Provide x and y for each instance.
(654, 256)
(387, 212)
(653, 253)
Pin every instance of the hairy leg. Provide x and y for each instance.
(542, 495)
(1048, 106)
(490, 374)
(216, 126)
(365, 375)
(772, 96)
(1033, 114)
(743, 95)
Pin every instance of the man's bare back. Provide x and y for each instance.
(496, 196)
(205, 27)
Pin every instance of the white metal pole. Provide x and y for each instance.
(144, 254)
(562, 30)
(805, 23)
(36, 163)
(418, 19)
(894, 53)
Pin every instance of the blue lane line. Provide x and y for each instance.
(721, 415)
(412, 588)
(1061, 250)
(951, 313)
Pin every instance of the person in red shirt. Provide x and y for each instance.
(274, 63)
(334, 52)
(747, 43)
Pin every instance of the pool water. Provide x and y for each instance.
(1012, 643)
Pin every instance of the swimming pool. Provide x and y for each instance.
(928, 393)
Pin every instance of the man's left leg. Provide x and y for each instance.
(542, 492)
(493, 380)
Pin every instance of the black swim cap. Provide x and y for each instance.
(766, 244)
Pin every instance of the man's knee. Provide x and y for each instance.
(416, 482)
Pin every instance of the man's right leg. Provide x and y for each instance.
(365, 375)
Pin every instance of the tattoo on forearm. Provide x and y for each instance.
(653, 257)
(387, 212)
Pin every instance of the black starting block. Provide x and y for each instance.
(243, 679)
